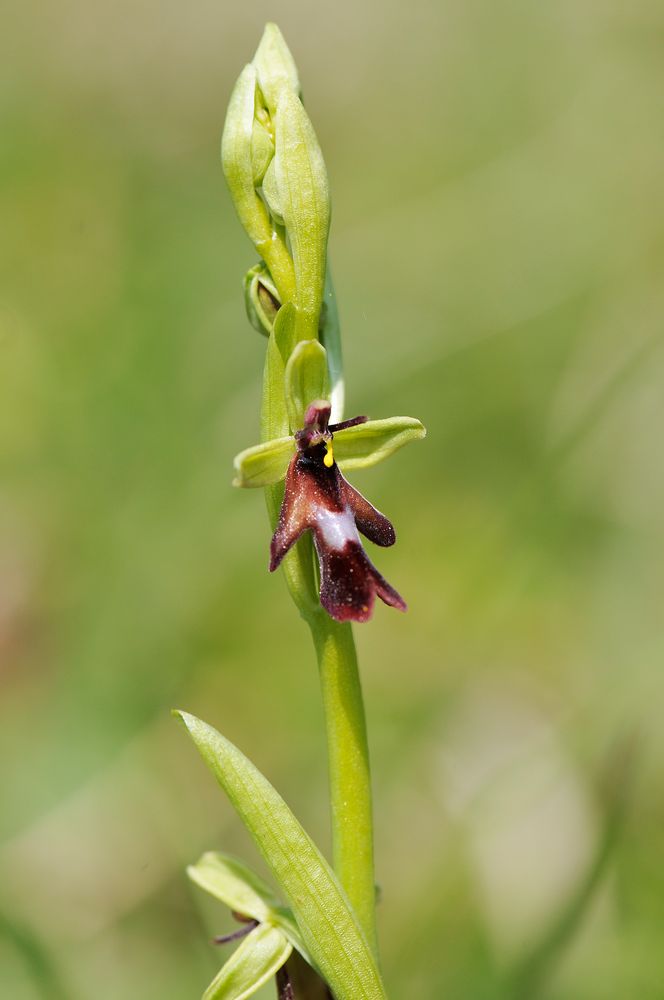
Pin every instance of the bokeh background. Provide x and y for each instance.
(497, 243)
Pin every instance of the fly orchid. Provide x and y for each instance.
(278, 182)
(318, 498)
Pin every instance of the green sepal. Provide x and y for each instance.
(275, 66)
(367, 444)
(261, 298)
(357, 447)
(307, 379)
(264, 464)
(245, 892)
(304, 202)
(259, 957)
(329, 927)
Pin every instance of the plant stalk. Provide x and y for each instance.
(348, 762)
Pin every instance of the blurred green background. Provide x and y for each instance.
(497, 243)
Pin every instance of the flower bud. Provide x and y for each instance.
(275, 67)
(261, 299)
(240, 141)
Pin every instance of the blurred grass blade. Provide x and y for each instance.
(254, 963)
(263, 464)
(366, 444)
(329, 927)
(529, 976)
(307, 379)
(42, 970)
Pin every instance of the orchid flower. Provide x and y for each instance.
(319, 499)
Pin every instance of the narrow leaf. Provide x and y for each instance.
(328, 925)
(307, 379)
(263, 464)
(243, 891)
(366, 444)
(259, 957)
(234, 884)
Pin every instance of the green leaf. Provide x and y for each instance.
(243, 891)
(263, 464)
(328, 925)
(275, 66)
(307, 379)
(259, 957)
(234, 884)
(366, 444)
(304, 201)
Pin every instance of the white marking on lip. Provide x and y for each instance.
(336, 528)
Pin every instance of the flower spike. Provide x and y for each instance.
(319, 499)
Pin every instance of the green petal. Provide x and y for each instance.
(259, 957)
(366, 444)
(329, 927)
(307, 379)
(263, 464)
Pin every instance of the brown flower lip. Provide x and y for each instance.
(319, 499)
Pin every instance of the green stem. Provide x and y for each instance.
(348, 761)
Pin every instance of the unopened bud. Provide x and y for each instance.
(275, 67)
(261, 299)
